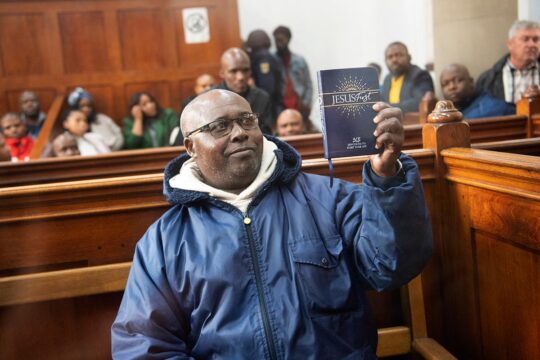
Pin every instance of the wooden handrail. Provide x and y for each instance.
(53, 116)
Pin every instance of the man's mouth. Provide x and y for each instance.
(241, 151)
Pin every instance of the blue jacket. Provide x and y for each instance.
(485, 105)
(286, 280)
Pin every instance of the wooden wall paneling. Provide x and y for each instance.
(23, 44)
(159, 89)
(120, 104)
(201, 54)
(507, 274)
(170, 52)
(113, 40)
(84, 43)
(142, 39)
(54, 47)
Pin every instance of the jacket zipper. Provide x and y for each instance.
(258, 281)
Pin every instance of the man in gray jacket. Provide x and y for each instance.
(297, 87)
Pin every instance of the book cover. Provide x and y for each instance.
(346, 98)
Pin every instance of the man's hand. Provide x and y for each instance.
(389, 132)
(531, 92)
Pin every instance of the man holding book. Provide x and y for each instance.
(258, 260)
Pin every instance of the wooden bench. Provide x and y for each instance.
(96, 280)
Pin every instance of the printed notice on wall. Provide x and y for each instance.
(196, 26)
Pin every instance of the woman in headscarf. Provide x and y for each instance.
(80, 99)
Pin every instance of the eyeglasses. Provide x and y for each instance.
(223, 127)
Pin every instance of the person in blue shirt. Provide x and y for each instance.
(458, 85)
(258, 260)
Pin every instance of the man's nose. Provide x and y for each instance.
(238, 132)
(240, 75)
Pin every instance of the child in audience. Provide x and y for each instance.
(89, 143)
(16, 137)
(65, 145)
(101, 124)
(148, 125)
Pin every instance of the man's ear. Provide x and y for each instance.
(222, 73)
(188, 144)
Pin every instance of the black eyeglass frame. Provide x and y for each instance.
(206, 127)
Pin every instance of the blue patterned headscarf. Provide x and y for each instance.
(77, 95)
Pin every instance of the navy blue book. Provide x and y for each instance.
(346, 98)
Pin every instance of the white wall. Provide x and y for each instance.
(529, 10)
(344, 33)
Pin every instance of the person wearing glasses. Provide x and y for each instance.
(259, 260)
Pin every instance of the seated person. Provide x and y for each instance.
(516, 71)
(65, 145)
(31, 113)
(16, 137)
(202, 83)
(257, 259)
(290, 122)
(101, 124)
(148, 125)
(406, 84)
(457, 85)
(89, 143)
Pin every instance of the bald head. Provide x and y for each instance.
(290, 122)
(29, 104)
(199, 111)
(65, 145)
(203, 83)
(457, 84)
(228, 152)
(235, 70)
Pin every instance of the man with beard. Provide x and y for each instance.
(31, 114)
(259, 260)
(406, 84)
(519, 70)
(236, 71)
(457, 85)
(297, 88)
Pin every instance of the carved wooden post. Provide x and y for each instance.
(529, 105)
(444, 129)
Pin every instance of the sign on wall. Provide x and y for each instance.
(196, 25)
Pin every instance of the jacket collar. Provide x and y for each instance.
(288, 166)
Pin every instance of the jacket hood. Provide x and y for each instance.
(288, 165)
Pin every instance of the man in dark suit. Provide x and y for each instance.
(406, 84)
(235, 72)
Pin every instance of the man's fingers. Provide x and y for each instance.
(392, 125)
(387, 113)
(389, 140)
